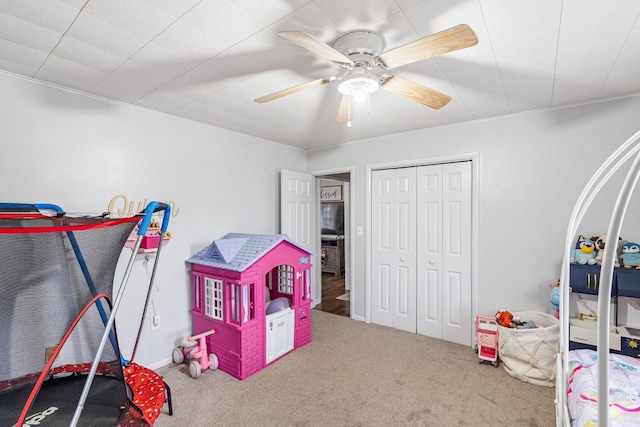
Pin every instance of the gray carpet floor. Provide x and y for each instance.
(359, 374)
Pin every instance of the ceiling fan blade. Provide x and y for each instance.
(345, 111)
(291, 90)
(454, 38)
(316, 46)
(415, 92)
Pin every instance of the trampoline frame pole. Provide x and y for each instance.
(146, 220)
(163, 230)
(105, 336)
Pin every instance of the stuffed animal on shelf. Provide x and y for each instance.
(600, 242)
(585, 252)
(631, 255)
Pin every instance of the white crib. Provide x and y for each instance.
(620, 157)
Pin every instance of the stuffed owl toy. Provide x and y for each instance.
(585, 252)
(631, 255)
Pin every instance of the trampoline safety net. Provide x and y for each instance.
(52, 269)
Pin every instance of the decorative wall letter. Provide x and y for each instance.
(124, 208)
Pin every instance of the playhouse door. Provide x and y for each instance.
(280, 327)
(298, 214)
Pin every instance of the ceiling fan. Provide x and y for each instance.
(360, 54)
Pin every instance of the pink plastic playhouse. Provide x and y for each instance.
(255, 292)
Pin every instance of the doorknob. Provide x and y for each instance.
(431, 262)
(401, 259)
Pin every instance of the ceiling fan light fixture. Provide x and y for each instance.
(361, 55)
(359, 87)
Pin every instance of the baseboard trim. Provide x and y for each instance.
(160, 364)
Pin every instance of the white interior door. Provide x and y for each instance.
(444, 251)
(394, 248)
(421, 250)
(298, 216)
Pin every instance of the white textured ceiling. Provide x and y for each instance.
(207, 60)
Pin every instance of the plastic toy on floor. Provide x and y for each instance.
(487, 334)
(504, 318)
(194, 348)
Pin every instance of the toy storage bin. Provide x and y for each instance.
(529, 354)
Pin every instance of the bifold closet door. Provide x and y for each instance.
(444, 252)
(393, 281)
(421, 250)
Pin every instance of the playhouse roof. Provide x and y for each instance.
(237, 251)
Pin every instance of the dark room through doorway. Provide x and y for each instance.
(334, 233)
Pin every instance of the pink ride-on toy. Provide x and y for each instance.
(194, 348)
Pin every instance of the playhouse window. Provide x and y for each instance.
(285, 279)
(251, 307)
(197, 296)
(306, 285)
(242, 303)
(213, 298)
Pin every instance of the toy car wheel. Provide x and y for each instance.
(177, 355)
(213, 362)
(194, 369)
(476, 348)
(479, 360)
(495, 363)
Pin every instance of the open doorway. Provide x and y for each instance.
(334, 233)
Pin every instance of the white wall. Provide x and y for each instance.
(532, 167)
(78, 152)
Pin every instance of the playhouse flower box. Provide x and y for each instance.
(150, 242)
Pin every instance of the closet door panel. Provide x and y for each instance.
(383, 252)
(453, 310)
(431, 298)
(403, 299)
(456, 254)
(393, 248)
(453, 241)
(384, 290)
(429, 247)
